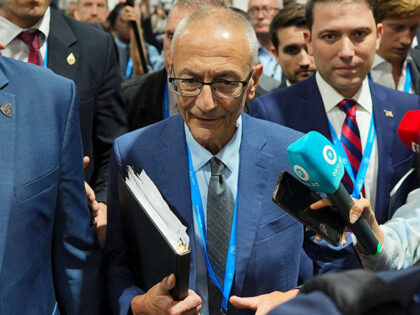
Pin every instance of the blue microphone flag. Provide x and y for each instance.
(315, 162)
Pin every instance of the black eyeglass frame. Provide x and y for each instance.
(244, 84)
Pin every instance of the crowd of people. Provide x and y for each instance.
(206, 98)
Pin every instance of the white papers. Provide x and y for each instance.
(158, 210)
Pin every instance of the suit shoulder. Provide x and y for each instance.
(144, 137)
(399, 97)
(87, 34)
(273, 130)
(15, 69)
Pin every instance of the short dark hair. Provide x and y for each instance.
(115, 13)
(293, 14)
(373, 4)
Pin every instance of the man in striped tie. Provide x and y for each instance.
(340, 101)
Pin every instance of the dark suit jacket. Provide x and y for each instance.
(300, 107)
(268, 239)
(95, 72)
(143, 96)
(415, 69)
(48, 249)
(403, 284)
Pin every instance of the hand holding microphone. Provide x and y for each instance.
(318, 166)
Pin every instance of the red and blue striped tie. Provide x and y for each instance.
(350, 139)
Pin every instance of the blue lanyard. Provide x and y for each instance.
(199, 214)
(129, 68)
(166, 101)
(407, 84)
(361, 174)
(46, 55)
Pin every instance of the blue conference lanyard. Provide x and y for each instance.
(407, 84)
(129, 68)
(166, 101)
(46, 55)
(361, 174)
(199, 214)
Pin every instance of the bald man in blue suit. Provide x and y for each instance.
(49, 256)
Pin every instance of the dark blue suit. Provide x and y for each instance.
(300, 107)
(405, 284)
(268, 239)
(48, 250)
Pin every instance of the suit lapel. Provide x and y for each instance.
(415, 71)
(252, 174)
(172, 175)
(314, 107)
(7, 160)
(385, 126)
(62, 42)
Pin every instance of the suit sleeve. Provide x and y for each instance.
(120, 283)
(110, 120)
(76, 255)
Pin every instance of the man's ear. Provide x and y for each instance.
(379, 34)
(254, 81)
(308, 41)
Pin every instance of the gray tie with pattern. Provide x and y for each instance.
(220, 208)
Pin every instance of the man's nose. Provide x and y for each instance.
(205, 100)
(346, 49)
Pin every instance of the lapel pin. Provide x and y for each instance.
(388, 114)
(7, 110)
(71, 59)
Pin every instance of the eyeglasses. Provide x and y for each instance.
(266, 11)
(221, 89)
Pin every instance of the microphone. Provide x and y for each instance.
(319, 167)
(409, 130)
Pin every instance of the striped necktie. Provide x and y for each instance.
(350, 139)
(32, 40)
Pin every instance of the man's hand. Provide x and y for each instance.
(264, 303)
(98, 210)
(158, 301)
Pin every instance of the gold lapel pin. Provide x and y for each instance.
(71, 59)
(7, 110)
(388, 114)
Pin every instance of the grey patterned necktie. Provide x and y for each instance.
(220, 208)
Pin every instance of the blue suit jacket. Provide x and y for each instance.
(48, 251)
(268, 239)
(300, 107)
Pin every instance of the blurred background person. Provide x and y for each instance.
(396, 64)
(159, 20)
(150, 98)
(92, 11)
(261, 13)
(119, 20)
(287, 29)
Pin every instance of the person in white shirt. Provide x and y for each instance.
(396, 64)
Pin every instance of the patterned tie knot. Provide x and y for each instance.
(348, 106)
(217, 167)
(30, 38)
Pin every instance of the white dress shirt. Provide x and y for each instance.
(381, 73)
(331, 98)
(15, 47)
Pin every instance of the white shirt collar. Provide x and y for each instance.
(331, 98)
(9, 30)
(228, 154)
